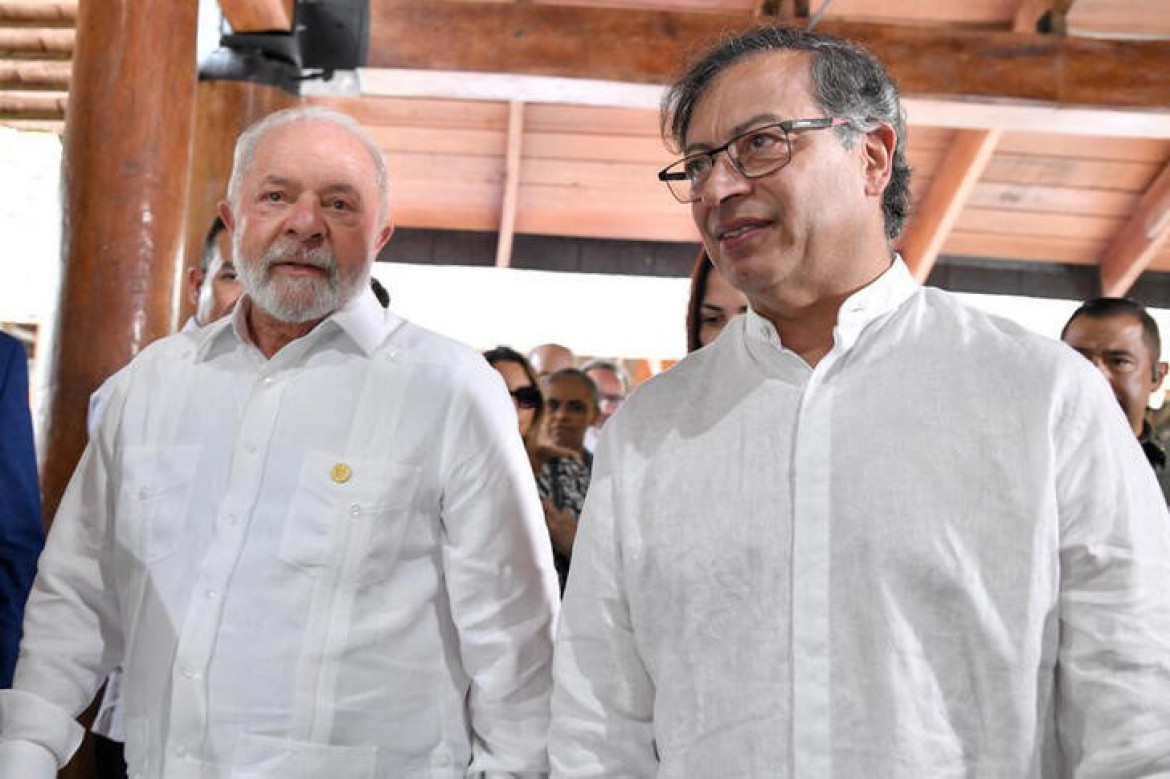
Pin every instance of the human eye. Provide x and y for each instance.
(711, 319)
(272, 196)
(339, 204)
(762, 141)
(696, 167)
(1122, 362)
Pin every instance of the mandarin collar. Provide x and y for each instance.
(362, 321)
(871, 302)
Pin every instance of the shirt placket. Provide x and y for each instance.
(189, 713)
(811, 727)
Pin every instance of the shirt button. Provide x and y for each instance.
(180, 751)
(188, 672)
(143, 493)
(355, 511)
(210, 594)
(250, 448)
(232, 519)
(268, 381)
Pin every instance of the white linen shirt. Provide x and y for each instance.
(332, 562)
(940, 553)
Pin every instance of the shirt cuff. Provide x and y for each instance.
(26, 760)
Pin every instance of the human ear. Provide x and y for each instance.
(879, 146)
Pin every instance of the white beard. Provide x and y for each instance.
(294, 300)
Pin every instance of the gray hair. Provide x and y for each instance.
(248, 141)
(612, 367)
(847, 80)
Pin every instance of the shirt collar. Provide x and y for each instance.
(871, 302)
(362, 321)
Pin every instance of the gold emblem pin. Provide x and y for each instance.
(341, 473)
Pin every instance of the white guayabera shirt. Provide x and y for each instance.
(940, 553)
(332, 563)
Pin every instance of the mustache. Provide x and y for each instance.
(319, 257)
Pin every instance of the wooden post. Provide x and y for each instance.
(126, 151)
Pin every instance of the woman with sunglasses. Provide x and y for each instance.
(562, 477)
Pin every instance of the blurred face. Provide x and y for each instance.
(721, 302)
(522, 391)
(547, 359)
(307, 226)
(570, 412)
(609, 393)
(1116, 347)
(219, 288)
(803, 233)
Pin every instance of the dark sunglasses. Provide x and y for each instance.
(527, 397)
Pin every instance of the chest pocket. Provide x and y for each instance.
(154, 499)
(350, 513)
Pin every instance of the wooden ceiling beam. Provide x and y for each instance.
(511, 195)
(936, 214)
(258, 15)
(52, 13)
(650, 46)
(1135, 245)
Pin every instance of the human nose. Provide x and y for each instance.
(723, 181)
(305, 219)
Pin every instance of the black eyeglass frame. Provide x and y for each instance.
(669, 174)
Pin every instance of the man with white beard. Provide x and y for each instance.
(308, 531)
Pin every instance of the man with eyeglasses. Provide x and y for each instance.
(1121, 339)
(867, 531)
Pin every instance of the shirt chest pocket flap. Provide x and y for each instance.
(154, 498)
(350, 513)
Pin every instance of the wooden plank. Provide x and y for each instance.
(32, 74)
(51, 13)
(1013, 222)
(1062, 172)
(936, 214)
(258, 15)
(984, 13)
(36, 42)
(1044, 200)
(33, 105)
(534, 39)
(1120, 18)
(511, 184)
(1130, 251)
(373, 111)
(1046, 144)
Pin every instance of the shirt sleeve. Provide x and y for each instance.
(1113, 666)
(603, 696)
(71, 639)
(500, 579)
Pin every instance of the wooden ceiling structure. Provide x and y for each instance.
(1039, 129)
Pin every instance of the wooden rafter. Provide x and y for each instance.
(936, 214)
(928, 62)
(258, 15)
(511, 197)
(1144, 234)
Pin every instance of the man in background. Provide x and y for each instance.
(547, 359)
(1121, 339)
(612, 387)
(21, 529)
(212, 286)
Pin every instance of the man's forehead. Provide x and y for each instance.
(770, 84)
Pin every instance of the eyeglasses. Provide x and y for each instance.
(527, 397)
(753, 154)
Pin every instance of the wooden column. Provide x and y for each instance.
(126, 151)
